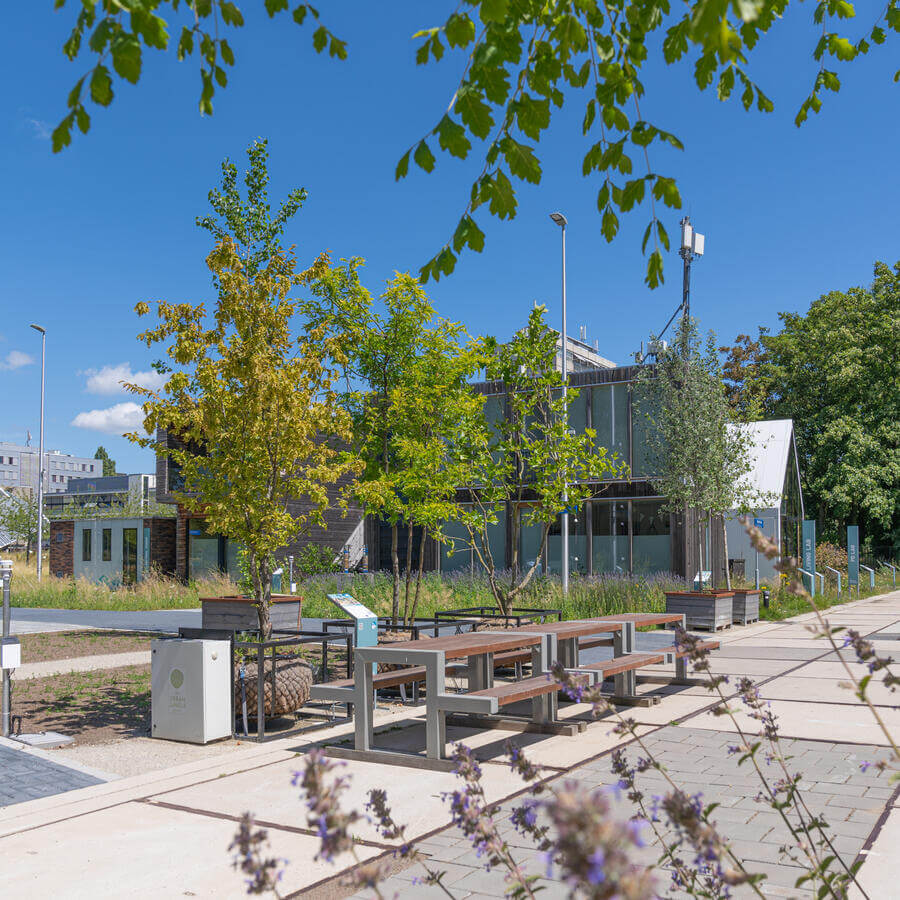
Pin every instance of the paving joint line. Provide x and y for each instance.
(229, 817)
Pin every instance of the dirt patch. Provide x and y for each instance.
(92, 707)
(52, 645)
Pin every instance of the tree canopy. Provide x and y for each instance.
(521, 61)
(835, 371)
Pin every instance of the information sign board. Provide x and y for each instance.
(809, 553)
(759, 523)
(853, 555)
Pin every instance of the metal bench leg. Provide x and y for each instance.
(403, 693)
(518, 671)
(435, 717)
(363, 707)
(480, 671)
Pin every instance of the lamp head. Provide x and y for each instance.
(559, 218)
(38, 328)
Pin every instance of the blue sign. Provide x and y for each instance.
(809, 553)
(759, 523)
(853, 555)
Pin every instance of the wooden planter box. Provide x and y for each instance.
(746, 606)
(702, 609)
(240, 612)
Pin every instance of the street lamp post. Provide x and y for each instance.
(40, 517)
(560, 220)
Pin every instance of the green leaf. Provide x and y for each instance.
(423, 156)
(589, 114)
(726, 83)
(452, 137)
(474, 112)
(185, 44)
(83, 119)
(101, 86)
(654, 270)
(532, 116)
(226, 52)
(74, 97)
(231, 15)
(62, 134)
(337, 48)
(609, 224)
(402, 169)
(521, 160)
(299, 14)
(126, 57)
(468, 234)
(493, 10)
(275, 6)
(460, 30)
(320, 38)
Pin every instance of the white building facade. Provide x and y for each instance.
(19, 467)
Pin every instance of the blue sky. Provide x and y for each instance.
(86, 234)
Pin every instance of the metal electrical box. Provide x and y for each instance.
(190, 683)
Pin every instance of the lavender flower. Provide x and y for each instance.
(263, 873)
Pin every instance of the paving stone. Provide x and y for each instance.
(27, 777)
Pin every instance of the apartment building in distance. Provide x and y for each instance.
(19, 468)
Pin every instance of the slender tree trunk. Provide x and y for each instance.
(412, 615)
(725, 546)
(27, 551)
(408, 573)
(700, 549)
(395, 564)
(262, 593)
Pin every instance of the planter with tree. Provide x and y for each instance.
(250, 388)
(701, 460)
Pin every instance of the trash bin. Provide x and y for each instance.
(276, 581)
(190, 690)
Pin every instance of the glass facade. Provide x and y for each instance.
(86, 540)
(203, 550)
(610, 542)
(456, 555)
(129, 555)
(107, 545)
(609, 418)
(578, 561)
(644, 461)
(651, 542)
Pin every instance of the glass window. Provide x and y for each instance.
(651, 543)
(456, 555)
(497, 541)
(203, 550)
(85, 544)
(577, 543)
(232, 563)
(107, 544)
(609, 413)
(610, 544)
(129, 555)
(644, 434)
(529, 543)
(578, 409)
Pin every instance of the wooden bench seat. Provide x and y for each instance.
(525, 689)
(627, 663)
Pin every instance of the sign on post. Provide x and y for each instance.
(759, 523)
(853, 555)
(365, 622)
(809, 553)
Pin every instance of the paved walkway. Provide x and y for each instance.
(134, 831)
(28, 620)
(81, 664)
(26, 774)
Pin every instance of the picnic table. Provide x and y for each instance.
(479, 652)
(477, 648)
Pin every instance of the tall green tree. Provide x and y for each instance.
(19, 518)
(405, 375)
(251, 389)
(519, 63)
(524, 460)
(701, 461)
(109, 464)
(835, 371)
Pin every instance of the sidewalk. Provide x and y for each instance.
(166, 833)
(81, 664)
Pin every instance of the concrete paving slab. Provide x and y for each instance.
(139, 850)
(880, 873)
(827, 690)
(820, 721)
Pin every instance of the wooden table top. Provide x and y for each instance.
(575, 627)
(459, 646)
(645, 618)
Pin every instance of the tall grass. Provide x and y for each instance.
(595, 595)
(152, 592)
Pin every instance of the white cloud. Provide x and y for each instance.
(15, 359)
(42, 130)
(114, 420)
(108, 380)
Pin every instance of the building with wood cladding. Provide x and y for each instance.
(622, 529)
